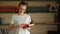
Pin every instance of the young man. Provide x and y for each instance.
(20, 18)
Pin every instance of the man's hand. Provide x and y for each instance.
(31, 24)
(11, 27)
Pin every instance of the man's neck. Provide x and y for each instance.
(21, 14)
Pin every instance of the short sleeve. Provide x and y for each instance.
(28, 19)
(12, 20)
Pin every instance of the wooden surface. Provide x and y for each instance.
(3, 27)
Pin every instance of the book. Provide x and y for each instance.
(24, 25)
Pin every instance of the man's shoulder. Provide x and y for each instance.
(27, 14)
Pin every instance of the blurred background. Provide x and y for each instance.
(44, 13)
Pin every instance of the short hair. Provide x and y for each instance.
(22, 3)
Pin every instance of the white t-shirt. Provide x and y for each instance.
(18, 20)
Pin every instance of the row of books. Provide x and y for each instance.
(4, 32)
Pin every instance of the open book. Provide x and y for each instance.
(24, 25)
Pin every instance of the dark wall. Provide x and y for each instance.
(58, 16)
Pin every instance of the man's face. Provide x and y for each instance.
(22, 8)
